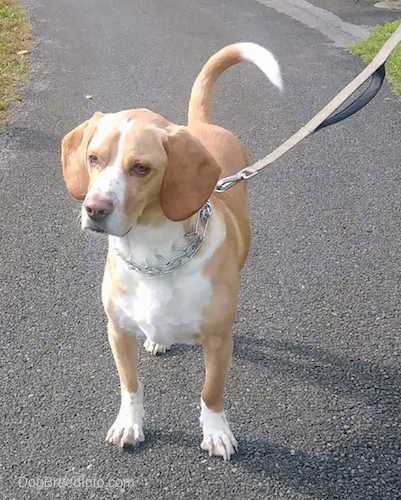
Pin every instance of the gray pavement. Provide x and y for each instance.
(361, 12)
(314, 392)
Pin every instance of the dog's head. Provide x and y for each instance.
(135, 164)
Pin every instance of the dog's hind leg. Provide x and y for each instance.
(155, 348)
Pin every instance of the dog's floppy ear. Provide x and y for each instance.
(73, 157)
(190, 177)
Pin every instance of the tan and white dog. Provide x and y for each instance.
(173, 266)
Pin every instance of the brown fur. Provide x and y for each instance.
(73, 155)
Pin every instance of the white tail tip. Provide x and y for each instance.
(264, 60)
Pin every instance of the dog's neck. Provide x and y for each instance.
(150, 245)
(162, 247)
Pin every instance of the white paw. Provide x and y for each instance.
(127, 429)
(154, 348)
(218, 439)
(123, 434)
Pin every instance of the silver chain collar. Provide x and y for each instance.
(194, 241)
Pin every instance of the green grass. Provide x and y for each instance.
(367, 49)
(14, 37)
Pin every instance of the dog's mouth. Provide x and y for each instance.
(96, 228)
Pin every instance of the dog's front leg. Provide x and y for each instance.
(127, 429)
(217, 436)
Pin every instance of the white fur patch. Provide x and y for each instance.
(108, 123)
(127, 429)
(218, 439)
(154, 348)
(124, 129)
(263, 59)
(169, 308)
(111, 182)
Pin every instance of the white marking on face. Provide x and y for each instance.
(111, 183)
(105, 126)
(124, 129)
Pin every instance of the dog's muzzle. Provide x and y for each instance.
(98, 208)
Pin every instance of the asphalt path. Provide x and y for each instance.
(315, 388)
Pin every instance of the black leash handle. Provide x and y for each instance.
(375, 84)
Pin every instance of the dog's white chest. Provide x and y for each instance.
(167, 309)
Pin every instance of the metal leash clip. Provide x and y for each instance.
(229, 182)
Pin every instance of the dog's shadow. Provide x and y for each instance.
(367, 382)
(334, 475)
(364, 462)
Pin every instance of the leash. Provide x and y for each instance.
(375, 71)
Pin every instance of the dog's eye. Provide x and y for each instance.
(139, 170)
(93, 160)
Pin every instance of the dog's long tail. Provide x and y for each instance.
(200, 103)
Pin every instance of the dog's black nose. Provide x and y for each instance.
(98, 208)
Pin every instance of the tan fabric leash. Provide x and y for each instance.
(375, 70)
